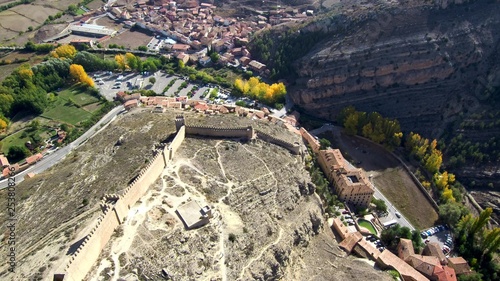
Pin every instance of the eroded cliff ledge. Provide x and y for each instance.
(423, 64)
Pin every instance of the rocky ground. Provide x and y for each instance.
(268, 224)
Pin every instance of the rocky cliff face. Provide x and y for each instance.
(423, 64)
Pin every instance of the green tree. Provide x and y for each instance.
(214, 57)
(17, 153)
(351, 124)
(72, 9)
(6, 101)
(379, 205)
(324, 144)
(152, 80)
(451, 212)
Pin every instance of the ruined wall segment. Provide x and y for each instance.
(313, 143)
(115, 209)
(141, 184)
(293, 147)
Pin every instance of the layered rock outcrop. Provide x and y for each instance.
(420, 63)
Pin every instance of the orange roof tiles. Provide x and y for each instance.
(34, 158)
(405, 249)
(433, 249)
(444, 273)
(4, 161)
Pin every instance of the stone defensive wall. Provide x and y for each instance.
(211, 131)
(176, 143)
(114, 212)
(293, 147)
(87, 253)
(115, 207)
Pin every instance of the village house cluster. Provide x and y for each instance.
(431, 265)
(7, 167)
(187, 29)
(160, 103)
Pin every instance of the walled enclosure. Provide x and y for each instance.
(115, 207)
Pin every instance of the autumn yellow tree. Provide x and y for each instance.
(448, 195)
(433, 161)
(241, 85)
(131, 61)
(25, 73)
(262, 91)
(64, 51)
(3, 124)
(121, 61)
(77, 72)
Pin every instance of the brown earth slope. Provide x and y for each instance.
(267, 225)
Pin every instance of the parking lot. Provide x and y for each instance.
(438, 234)
(111, 83)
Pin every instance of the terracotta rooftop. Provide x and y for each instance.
(388, 260)
(424, 264)
(405, 249)
(3, 161)
(460, 265)
(350, 241)
(444, 273)
(6, 170)
(34, 158)
(433, 249)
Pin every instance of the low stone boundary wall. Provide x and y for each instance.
(293, 147)
(412, 176)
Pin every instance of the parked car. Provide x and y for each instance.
(398, 215)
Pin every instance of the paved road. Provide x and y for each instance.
(392, 211)
(50, 160)
(378, 195)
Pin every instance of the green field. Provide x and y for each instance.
(78, 96)
(18, 139)
(80, 12)
(68, 107)
(13, 140)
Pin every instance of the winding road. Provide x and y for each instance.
(55, 156)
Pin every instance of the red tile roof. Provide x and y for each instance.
(4, 161)
(6, 170)
(444, 273)
(34, 158)
(460, 265)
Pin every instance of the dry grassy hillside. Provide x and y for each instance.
(268, 225)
